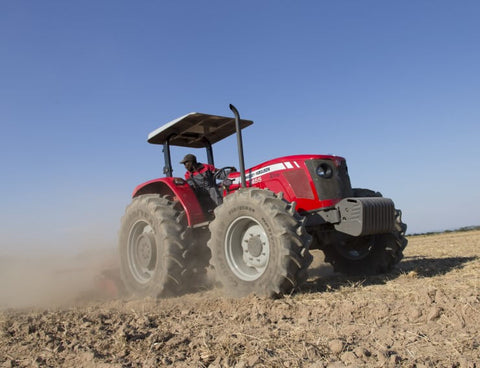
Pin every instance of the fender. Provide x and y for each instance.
(180, 191)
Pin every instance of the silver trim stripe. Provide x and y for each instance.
(265, 170)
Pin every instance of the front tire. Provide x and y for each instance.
(258, 244)
(367, 255)
(151, 247)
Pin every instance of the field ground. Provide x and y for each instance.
(425, 314)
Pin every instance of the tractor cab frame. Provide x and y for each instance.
(198, 130)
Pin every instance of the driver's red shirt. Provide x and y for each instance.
(202, 168)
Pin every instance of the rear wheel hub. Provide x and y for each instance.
(247, 248)
(144, 249)
(142, 252)
(255, 246)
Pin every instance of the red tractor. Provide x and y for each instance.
(258, 239)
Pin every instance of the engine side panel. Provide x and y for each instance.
(295, 176)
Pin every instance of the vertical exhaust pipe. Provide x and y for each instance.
(239, 145)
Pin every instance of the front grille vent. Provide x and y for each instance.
(331, 187)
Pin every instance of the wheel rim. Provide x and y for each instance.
(247, 248)
(142, 252)
(356, 250)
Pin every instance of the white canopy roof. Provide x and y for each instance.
(195, 130)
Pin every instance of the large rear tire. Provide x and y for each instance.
(258, 244)
(152, 247)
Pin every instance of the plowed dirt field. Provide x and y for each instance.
(425, 314)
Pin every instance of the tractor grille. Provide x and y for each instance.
(334, 186)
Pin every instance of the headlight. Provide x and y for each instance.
(325, 171)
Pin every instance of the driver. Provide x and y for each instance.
(202, 177)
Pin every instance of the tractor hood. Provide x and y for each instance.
(196, 130)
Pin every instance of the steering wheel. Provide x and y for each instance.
(224, 171)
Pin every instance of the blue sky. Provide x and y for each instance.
(392, 86)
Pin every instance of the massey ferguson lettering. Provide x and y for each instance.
(262, 171)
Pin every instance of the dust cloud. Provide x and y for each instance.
(53, 279)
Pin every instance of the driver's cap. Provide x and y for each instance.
(189, 157)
